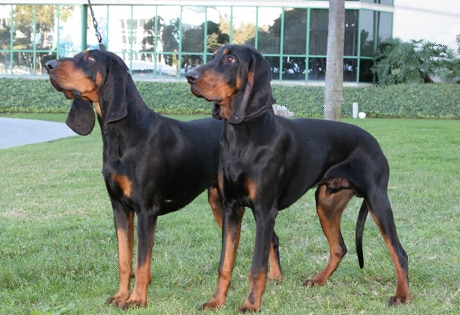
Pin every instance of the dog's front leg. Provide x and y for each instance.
(124, 225)
(146, 225)
(265, 225)
(231, 230)
(217, 209)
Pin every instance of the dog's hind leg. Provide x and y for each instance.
(380, 209)
(330, 206)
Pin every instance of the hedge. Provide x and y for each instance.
(402, 101)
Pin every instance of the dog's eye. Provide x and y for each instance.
(90, 58)
(230, 59)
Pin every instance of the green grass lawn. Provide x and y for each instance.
(58, 251)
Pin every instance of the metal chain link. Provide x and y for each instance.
(98, 34)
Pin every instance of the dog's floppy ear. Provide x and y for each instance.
(113, 98)
(81, 117)
(239, 114)
(257, 92)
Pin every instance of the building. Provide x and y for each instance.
(436, 21)
(167, 38)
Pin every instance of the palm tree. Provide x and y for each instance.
(333, 94)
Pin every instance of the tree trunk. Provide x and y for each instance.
(333, 92)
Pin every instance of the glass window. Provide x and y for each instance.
(350, 69)
(244, 25)
(168, 34)
(161, 38)
(156, 37)
(23, 27)
(218, 31)
(5, 63)
(316, 68)
(293, 68)
(385, 26)
(5, 26)
(367, 28)
(275, 66)
(38, 28)
(169, 40)
(22, 63)
(365, 73)
(318, 31)
(351, 33)
(66, 35)
(5, 39)
(295, 31)
(268, 35)
(123, 29)
(188, 62)
(100, 13)
(143, 29)
(193, 29)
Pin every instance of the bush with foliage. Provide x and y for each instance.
(416, 62)
(403, 100)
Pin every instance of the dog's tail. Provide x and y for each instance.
(362, 216)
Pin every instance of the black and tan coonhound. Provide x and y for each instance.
(152, 165)
(266, 163)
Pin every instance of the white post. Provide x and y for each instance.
(355, 110)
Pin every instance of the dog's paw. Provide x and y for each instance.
(396, 300)
(247, 308)
(314, 282)
(208, 306)
(118, 299)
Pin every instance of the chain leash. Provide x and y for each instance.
(98, 34)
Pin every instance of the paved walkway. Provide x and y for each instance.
(16, 132)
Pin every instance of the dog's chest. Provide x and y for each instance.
(252, 160)
(241, 168)
(118, 181)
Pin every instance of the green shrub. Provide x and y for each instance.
(404, 101)
(416, 61)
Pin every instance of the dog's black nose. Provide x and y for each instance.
(192, 76)
(51, 65)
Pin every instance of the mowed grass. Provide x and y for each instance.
(58, 251)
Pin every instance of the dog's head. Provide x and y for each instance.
(91, 77)
(237, 80)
